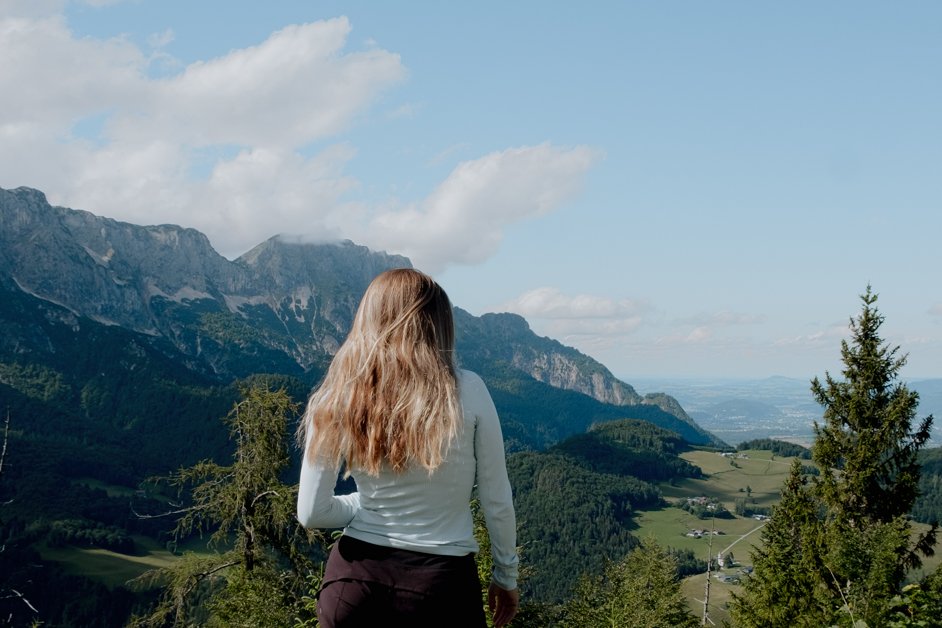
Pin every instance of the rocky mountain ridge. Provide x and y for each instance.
(280, 307)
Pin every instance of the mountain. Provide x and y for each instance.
(280, 308)
(529, 375)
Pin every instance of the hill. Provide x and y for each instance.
(575, 502)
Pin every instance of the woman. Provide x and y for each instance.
(416, 434)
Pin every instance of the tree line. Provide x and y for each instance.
(777, 447)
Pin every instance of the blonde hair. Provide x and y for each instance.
(390, 395)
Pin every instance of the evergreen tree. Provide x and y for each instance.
(261, 579)
(640, 591)
(867, 450)
(781, 590)
(837, 551)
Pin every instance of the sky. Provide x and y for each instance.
(678, 189)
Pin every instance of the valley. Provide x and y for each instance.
(737, 410)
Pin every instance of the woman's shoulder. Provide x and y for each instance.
(466, 375)
(469, 378)
(472, 389)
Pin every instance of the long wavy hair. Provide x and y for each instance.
(390, 395)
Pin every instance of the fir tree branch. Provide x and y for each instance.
(209, 572)
(261, 495)
(181, 511)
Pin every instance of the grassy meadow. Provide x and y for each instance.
(112, 490)
(108, 567)
(726, 480)
(114, 568)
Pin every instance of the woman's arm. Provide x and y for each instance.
(318, 507)
(494, 490)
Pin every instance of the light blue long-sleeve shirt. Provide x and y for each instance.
(425, 512)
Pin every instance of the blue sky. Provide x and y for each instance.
(679, 189)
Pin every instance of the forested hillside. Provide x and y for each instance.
(535, 415)
(575, 501)
(631, 447)
(778, 447)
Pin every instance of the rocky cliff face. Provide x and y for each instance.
(168, 281)
(105, 269)
(508, 339)
(281, 307)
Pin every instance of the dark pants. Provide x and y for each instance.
(370, 585)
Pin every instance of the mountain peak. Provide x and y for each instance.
(512, 323)
(290, 263)
(28, 194)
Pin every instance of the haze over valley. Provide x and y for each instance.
(782, 408)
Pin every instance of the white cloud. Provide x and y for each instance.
(221, 146)
(595, 323)
(230, 145)
(159, 40)
(30, 8)
(294, 88)
(408, 110)
(42, 8)
(268, 191)
(829, 335)
(552, 303)
(707, 329)
(463, 220)
(584, 320)
(101, 3)
(936, 310)
(699, 334)
(50, 79)
(448, 152)
(631, 331)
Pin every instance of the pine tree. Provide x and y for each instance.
(782, 589)
(262, 578)
(867, 451)
(836, 551)
(867, 447)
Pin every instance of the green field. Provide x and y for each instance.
(759, 472)
(726, 479)
(109, 567)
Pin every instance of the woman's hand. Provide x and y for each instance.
(502, 604)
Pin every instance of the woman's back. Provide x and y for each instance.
(417, 435)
